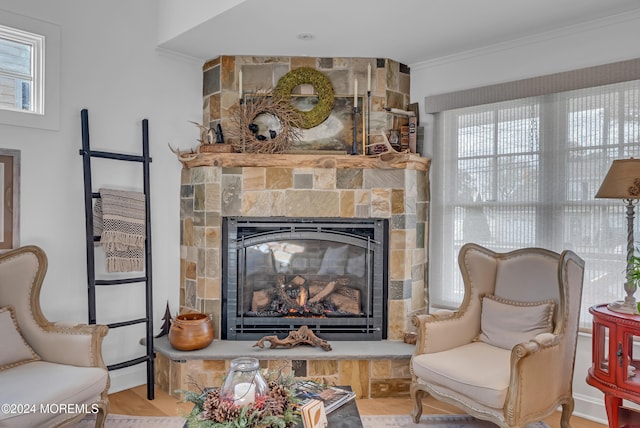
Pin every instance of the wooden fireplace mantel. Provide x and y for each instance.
(410, 161)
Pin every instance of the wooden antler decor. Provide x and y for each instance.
(302, 336)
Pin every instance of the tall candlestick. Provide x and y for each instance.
(368, 77)
(355, 94)
(240, 84)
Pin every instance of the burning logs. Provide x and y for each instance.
(300, 297)
(302, 336)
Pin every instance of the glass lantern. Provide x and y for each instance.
(244, 384)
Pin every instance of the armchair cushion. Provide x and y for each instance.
(14, 350)
(77, 387)
(505, 323)
(477, 370)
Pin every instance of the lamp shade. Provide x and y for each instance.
(622, 181)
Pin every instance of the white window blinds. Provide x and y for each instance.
(524, 173)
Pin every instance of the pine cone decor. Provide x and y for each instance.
(274, 410)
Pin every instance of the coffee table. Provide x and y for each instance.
(345, 416)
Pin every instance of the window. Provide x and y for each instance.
(29, 72)
(21, 70)
(524, 173)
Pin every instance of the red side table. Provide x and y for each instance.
(614, 370)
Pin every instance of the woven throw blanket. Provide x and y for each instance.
(119, 220)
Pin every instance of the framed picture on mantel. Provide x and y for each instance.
(334, 135)
(10, 199)
(336, 132)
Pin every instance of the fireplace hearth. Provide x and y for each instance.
(282, 273)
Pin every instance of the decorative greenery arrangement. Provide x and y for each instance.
(244, 133)
(276, 410)
(321, 84)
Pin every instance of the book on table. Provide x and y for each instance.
(331, 396)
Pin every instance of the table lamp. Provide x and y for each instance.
(623, 182)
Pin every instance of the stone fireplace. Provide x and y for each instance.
(317, 183)
(234, 185)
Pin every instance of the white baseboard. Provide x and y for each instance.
(128, 377)
(590, 408)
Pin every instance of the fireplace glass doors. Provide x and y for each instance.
(282, 273)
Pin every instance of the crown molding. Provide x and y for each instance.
(569, 30)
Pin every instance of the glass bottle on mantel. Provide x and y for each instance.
(244, 384)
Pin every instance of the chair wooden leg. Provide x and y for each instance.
(567, 411)
(101, 416)
(417, 395)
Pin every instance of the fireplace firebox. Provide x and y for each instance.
(329, 274)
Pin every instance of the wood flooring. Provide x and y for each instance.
(134, 402)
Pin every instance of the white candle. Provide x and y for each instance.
(355, 93)
(244, 394)
(368, 77)
(240, 84)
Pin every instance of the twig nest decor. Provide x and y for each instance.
(264, 123)
(321, 84)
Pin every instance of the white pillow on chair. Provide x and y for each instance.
(505, 323)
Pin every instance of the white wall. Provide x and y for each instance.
(111, 67)
(599, 42)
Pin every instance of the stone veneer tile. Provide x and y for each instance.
(398, 318)
(255, 77)
(256, 204)
(380, 369)
(198, 197)
(211, 63)
(397, 239)
(212, 197)
(303, 181)
(187, 232)
(347, 206)
(384, 178)
(190, 293)
(212, 288)
(304, 61)
(214, 107)
(277, 204)
(211, 81)
(324, 178)
(397, 201)
(363, 197)
(400, 289)
(231, 202)
(162, 372)
(212, 219)
(400, 368)
(363, 211)
(325, 63)
(279, 178)
(176, 377)
(212, 268)
(300, 203)
(190, 270)
(399, 221)
(197, 175)
(349, 178)
(399, 264)
(356, 374)
(396, 388)
(253, 178)
(421, 211)
(420, 235)
(422, 183)
(381, 203)
(228, 74)
(418, 295)
(186, 207)
(186, 191)
(322, 367)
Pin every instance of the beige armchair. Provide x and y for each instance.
(507, 354)
(51, 375)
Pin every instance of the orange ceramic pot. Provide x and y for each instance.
(192, 331)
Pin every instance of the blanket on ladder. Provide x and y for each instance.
(119, 220)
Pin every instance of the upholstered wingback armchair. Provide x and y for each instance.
(51, 375)
(507, 354)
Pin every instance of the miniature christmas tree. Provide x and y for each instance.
(166, 325)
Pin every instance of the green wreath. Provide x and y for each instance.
(322, 86)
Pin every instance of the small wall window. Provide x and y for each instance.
(21, 70)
